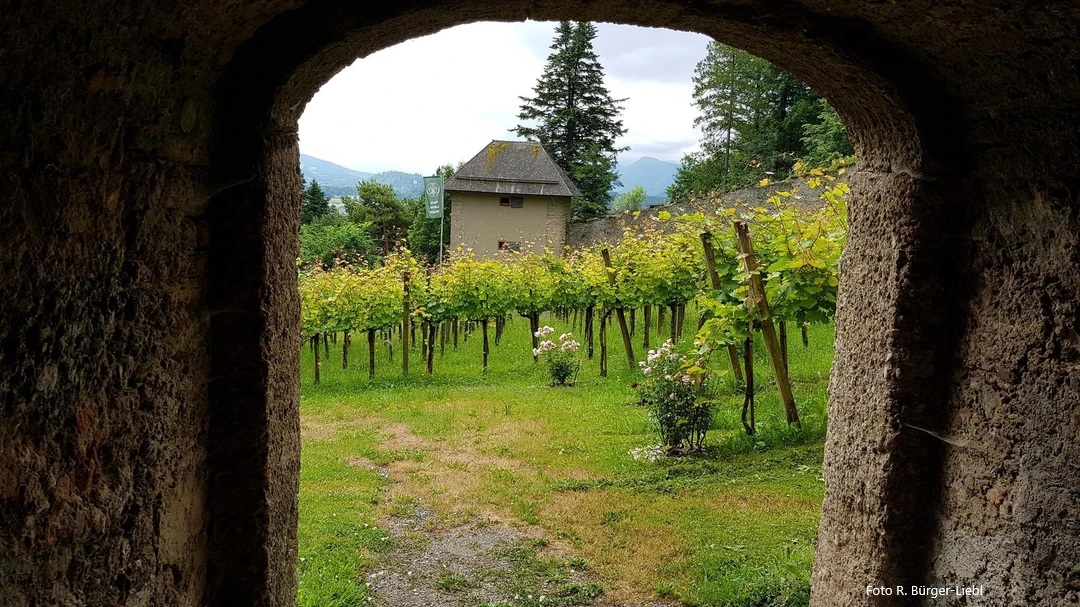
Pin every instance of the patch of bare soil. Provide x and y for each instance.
(479, 563)
(446, 556)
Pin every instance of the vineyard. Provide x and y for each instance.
(739, 270)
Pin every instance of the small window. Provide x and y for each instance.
(504, 201)
(516, 202)
(509, 245)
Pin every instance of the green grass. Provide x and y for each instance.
(735, 526)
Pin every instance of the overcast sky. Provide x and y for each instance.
(439, 99)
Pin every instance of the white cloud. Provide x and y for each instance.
(440, 98)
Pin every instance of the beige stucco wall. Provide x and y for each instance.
(479, 222)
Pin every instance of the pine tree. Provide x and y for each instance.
(314, 203)
(754, 119)
(575, 117)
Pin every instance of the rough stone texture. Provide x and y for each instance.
(148, 320)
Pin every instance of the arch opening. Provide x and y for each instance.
(259, 108)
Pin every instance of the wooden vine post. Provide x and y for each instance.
(646, 320)
(768, 329)
(484, 327)
(603, 340)
(371, 353)
(714, 280)
(405, 328)
(431, 329)
(620, 313)
(589, 333)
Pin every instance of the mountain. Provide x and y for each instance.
(652, 174)
(336, 180)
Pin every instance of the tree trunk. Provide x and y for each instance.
(674, 322)
(484, 327)
(534, 327)
(371, 353)
(344, 350)
(603, 342)
(646, 321)
(748, 398)
(431, 328)
(590, 312)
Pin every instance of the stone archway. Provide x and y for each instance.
(886, 101)
(148, 426)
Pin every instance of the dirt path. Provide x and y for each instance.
(476, 561)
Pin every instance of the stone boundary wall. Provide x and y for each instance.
(610, 227)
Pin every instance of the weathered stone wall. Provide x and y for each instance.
(148, 320)
(610, 227)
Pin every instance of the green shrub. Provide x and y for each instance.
(672, 390)
(561, 358)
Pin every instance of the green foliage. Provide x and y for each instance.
(594, 175)
(561, 358)
(756, 120)
(658, 263)
(376, 204)
(333, 240)
(314, 203)
(826, 141)
(632, 200)
(672, 391)
(575, 117)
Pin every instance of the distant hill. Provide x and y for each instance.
(336, 180)
(652, 174)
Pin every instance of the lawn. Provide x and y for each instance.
(735, 526)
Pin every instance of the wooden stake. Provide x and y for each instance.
(431, 328)
(645, 327)
(484, 326)
(621, 314)
(768, 330)
(748, 394)
(603, 342)
(318, 363)
(714, 280)
(534, 327)
(344, 350)
(406, 329)
(590, 312)
(371, 353)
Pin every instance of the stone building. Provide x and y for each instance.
(510, 196)
(149, 315)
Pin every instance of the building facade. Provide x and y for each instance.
(510, 196)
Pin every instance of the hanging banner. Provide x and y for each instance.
(433, 188)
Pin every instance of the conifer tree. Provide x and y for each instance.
(314, 203)
(756, 120)
(575, 118)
